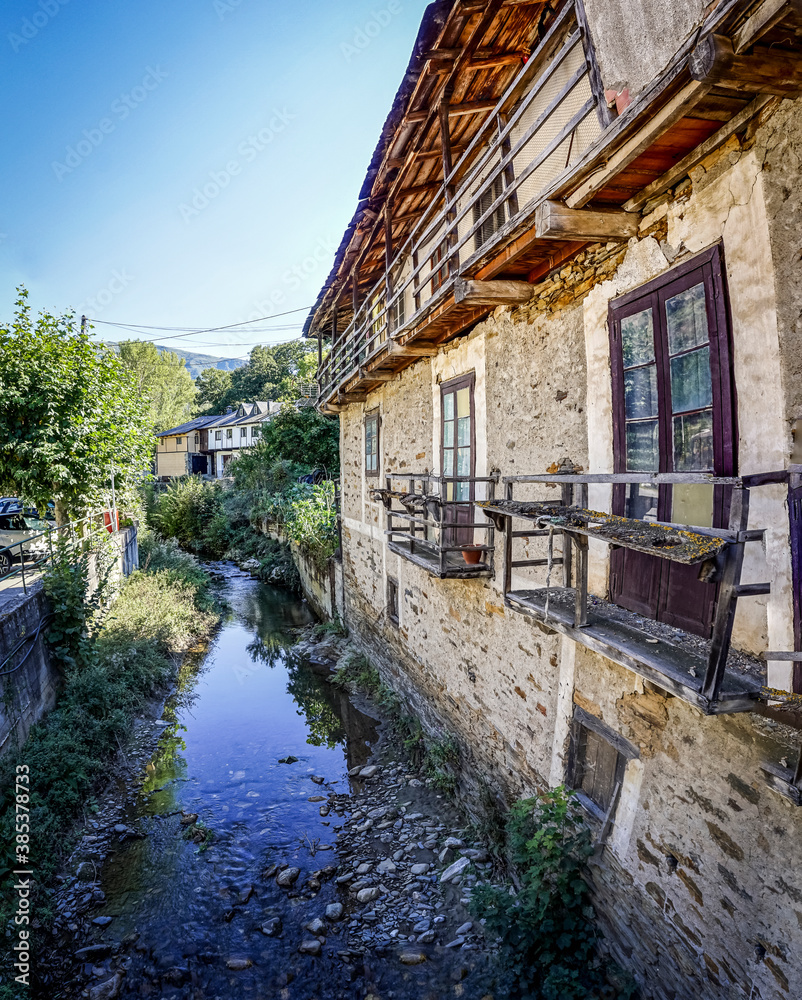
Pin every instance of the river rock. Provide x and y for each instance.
(187, 819)
(387, 865)
(108, 990)
(354, 771)
(456, 869)
(271, 927)
(310, 946)
(463, 930)
(317, 778)
(316, 926)
(316, 798)
(458, 942)
(238, 963)
(476, 854)
(244, 896)
(422, 926)
(93, 952)
(289, 877)
(289, 759)
(420, 869)
(102, 921)
(411, 957)
(325, 810)
(368, 895)
(369, 771)
(334, 911)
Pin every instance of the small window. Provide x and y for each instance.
(256, 431)
(229, 434)
(197, 439)
(372, 443)
(597, 762)
(392, 600)
(178, 441)
(244, 432)
(218, 435)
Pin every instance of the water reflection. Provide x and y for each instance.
(238, 710)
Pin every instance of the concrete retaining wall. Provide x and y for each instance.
(31, 686)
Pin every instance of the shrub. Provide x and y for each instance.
(545, 929)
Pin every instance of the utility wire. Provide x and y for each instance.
(191, 333)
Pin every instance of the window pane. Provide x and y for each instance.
(640, 392)
(448, 462)
(463, 402)
(637, 338)
(463, 461)
(464, 431)
(686, 315)
(642, 448)
(692, 503)
(448, 406)
(448, 434)
(691, 385)
(693, 442)
(641, 501)
(462, 491)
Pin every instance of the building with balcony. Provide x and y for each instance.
(564, 349)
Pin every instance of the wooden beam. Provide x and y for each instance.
(428, 154)
(671, 112)
(762, 20)
(763, 71)
(496, 59)
(396, 350)
(454, 111)
(492, 293)
(417, 189)
(679, 170)
(553, 221)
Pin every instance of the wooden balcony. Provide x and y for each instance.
(430, 524)
(700, 672)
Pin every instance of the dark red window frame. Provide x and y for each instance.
(646, 584)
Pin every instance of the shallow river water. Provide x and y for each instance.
(198, 906)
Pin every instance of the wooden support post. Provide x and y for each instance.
(553, 221)
(567, 497)
(764, 71)
(581, 594)
(508, 487)
(416, 286)
(354, 292)
(492, 293)
(448, 187)
(727, 599)
(509, 171)
(388, 259)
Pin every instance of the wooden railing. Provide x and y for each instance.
(434, 521)
(719, 553)
(541, 125)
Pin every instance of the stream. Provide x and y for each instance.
(251, 780)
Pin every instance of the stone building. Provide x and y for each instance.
(566, 353)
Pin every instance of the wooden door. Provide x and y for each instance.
(673, 412)
(458, 457)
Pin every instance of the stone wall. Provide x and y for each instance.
(697, 888)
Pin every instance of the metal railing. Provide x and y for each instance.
(541, 125)
(433, 521)
(41, 546)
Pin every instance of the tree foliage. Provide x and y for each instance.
(272, 373)
(71, 416)
(163, 380)
(297, 436)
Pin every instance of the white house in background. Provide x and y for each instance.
(237, 429)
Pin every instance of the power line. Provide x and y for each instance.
(187, 332)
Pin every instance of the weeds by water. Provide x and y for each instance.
(110, 667)
(436, 755)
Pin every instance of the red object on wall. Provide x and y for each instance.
(107, 520)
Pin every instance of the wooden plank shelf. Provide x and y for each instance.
(678, 671)
(655, 539)
(428, 557)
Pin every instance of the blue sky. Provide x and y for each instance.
(188, 163)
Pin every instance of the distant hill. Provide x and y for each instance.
(196, 363)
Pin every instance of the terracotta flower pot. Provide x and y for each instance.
(472, 554)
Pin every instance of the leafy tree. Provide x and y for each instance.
(300, 436)
(163, 380)
(213, 386)
(272, 373)
(71, 416)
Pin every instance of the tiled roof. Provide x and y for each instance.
(192, 425)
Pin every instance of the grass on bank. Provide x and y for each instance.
(111, 666)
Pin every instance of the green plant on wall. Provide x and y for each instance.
(547, 939)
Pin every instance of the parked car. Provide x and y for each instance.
(16, 527)
(13, 505)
